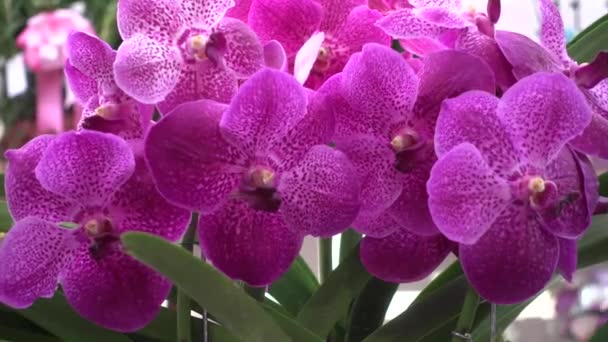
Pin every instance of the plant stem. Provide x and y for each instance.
(493, 323)
(348, 241)
(467, 315)
(257, 293)
(184, 328)
(325, 264)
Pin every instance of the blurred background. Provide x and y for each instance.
(34, 100)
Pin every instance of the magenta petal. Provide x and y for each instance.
(307, 56)
(275, 56)
(192, 165)
(405, 24)
(31, 256)
(513, 261)
(244, 53)
(590, 75)
(198, 81)
(451, 4)
(542, 113)
(204, 14)
(240, 10)
(146, 69)
(472, 118)
(525, 55)
(592, 141)
(493, 10)
(376, 226)
(254, 246)
(266, 107)
(290, 22)
(92, 56)
(87, 166)
(114, 291)
(465, 195)
(320, 196)
(24, 194)
(403, 257)
(552, 32)
(157, 19)
(442, 16)
(567, 261)
(335, 13)
(80, 84)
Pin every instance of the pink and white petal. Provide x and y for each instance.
(590, 75)
(335, 13)
(32, 254)
(380, 181)
(192, 165)
(422, 46)
(86, 166)
(381, 74)
(471, 117)
(203, 80)
(291, 22)
(542, 113)
(138, 206)
(376, 226)
(452, 4)
(91, 56)
(246, 244)
(244, 52)
(552, 32)
(80, 84)
(204, 14)
(405, 24)
(275, 56)
(513, 261)
(447, 74)
(566, 264)
(525, 55)
(307, 56)
(442, 16)
(24, 194)
(265, 109)
(465, 195)
(146, 69)
(240, 10)
(113, 290)
(403, 257)
(158, 19)
(325, 183)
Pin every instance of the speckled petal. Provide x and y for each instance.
(403, 257)
(266, 107)
(567, 261)
(291, 22)
(442, 16)
(254, 246)
(405, 24)
(513, 261)
(542, 113)
(452, 4)
(198, 81)
(465, 195)
(376, 226)
(91, 56)
(24, 194)
(146, 69)
(240, 10)
(244, 53)
(87, 166)
(472, 118)
(320, 196)
(590, 75)
(525, 55)
(275, 56)
(552, 32)
(157, 19)
(80, 84)
(31, 256)
(335, 13)
(114, 291)
(307, 56)
(592, 141)
(204, 14)
(192, 165)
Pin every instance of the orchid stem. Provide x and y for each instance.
(257, 293)
(493, 323)
(348, 241)
(467, 316)
(184, 304)
(325, 262)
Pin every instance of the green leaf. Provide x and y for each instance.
(603, 178)
(295, 287)
(452, 272)
(368, 310)
(586, 45)
(6, 222)
(291, 327)
(601, 335)
(210, 289)
(14, 327)
(332, 300)
(348, 241)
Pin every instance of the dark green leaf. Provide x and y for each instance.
(452, 272)
(212, 290)
(588, 43)
(291, 327)
(368, 310)
(601, 335)
(603, 178)
(295, 287)
(348, 241)
(332, 300)
(6, 222)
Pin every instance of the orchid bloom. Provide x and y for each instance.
(43, 42)
(508, 188)
(528, 57)
(179, 51)
(318, 36)
(387, 6)
(90, 76)
(72, 196)
(258, 173)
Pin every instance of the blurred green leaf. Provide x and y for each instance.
(290, 326)
(601, 335)
(603, 179)
(368, 310)
(6, 222)
(295, 287)
(586, 45)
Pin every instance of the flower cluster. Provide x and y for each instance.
(286, 118)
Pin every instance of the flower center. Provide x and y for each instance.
(98, 227)
(198, 46)
(323, 61)
(410, 150)
(107, 111)
(403, 141)
(258, 189)
(261, 177)
(536, 185)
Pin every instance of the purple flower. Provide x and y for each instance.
(507, 187)
(390, 141)
(318, 36)
(92, 180)
(179, 51)
(106, 107)
(527, 57)
(256, 172)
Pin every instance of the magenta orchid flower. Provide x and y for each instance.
(528, 57)
(387, 6)
(508, 188)
(318, 36)
(240, 10)
(257, 173)
(390, 142)
(90, 76)
(179, 51)
(92, 180)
